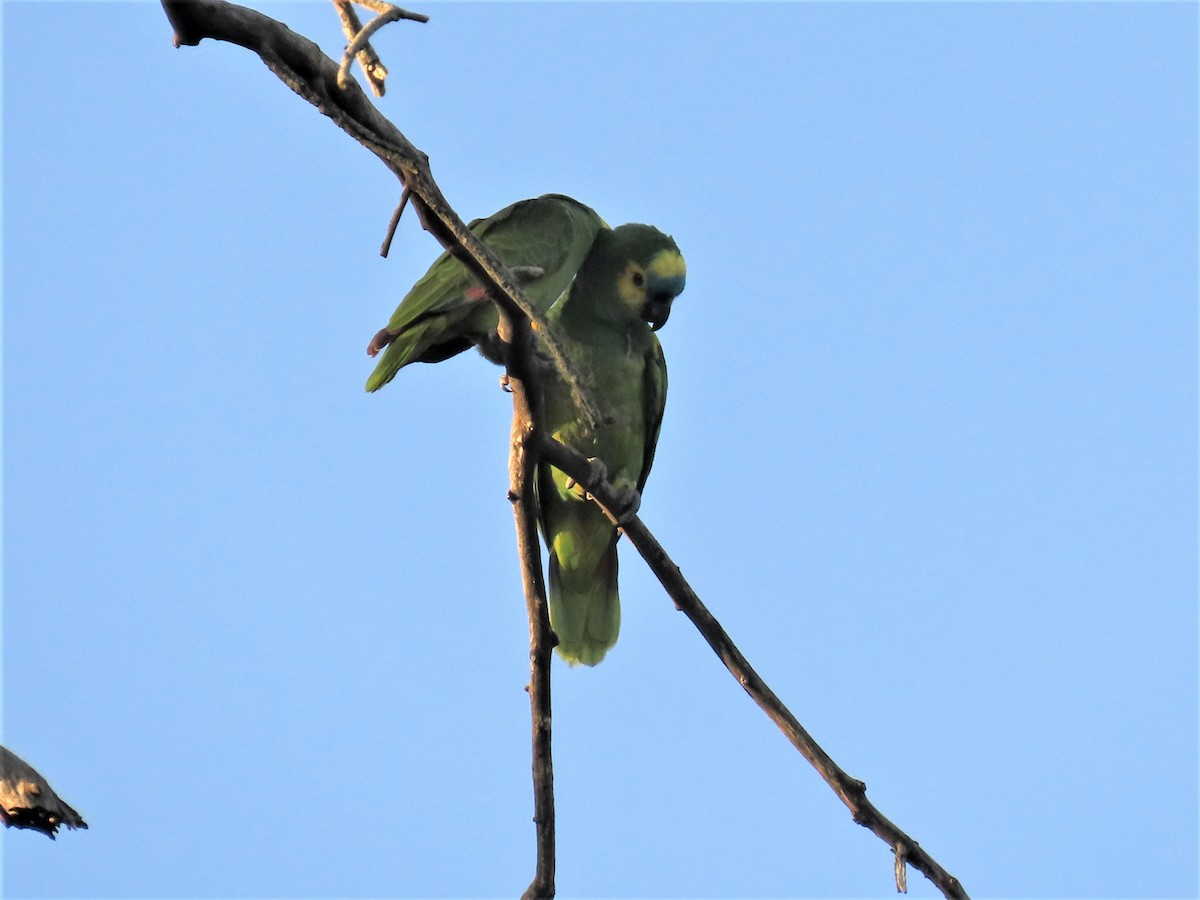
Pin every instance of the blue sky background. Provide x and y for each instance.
(929, 455)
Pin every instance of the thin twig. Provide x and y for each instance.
(360, 45)
(373, 68)
(394, 223)
(901, 860)
(382, 6)
(852, 792)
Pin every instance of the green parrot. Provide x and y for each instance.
(543, 240)
(606, 321)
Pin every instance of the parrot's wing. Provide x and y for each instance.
(654, 396)
(441, 315)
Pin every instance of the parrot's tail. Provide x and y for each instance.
(585, 611)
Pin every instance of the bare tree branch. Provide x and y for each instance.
(28, 801)
(852, 792)
(522, 381)
(301, 65)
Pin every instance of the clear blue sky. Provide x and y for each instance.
(929, 455)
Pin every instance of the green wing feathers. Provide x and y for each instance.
(655, 404)
(441, 315)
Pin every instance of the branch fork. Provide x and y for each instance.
(360, 40)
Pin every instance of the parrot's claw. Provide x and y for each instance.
(505, 385)
(596, 472)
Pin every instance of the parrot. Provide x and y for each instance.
(606, 321)
(605, 292)
(543, 240)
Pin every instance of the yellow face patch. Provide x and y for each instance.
(668, 264)
(631, 286)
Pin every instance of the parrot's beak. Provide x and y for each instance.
(657, 310)
(660, 294)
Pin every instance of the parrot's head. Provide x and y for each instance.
(649, 271)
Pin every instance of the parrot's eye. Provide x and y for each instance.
(639, 279)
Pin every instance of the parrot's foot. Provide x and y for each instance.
(543, 365)
(505, 383)
(526, 274)
(629, 501)
(596, 473)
